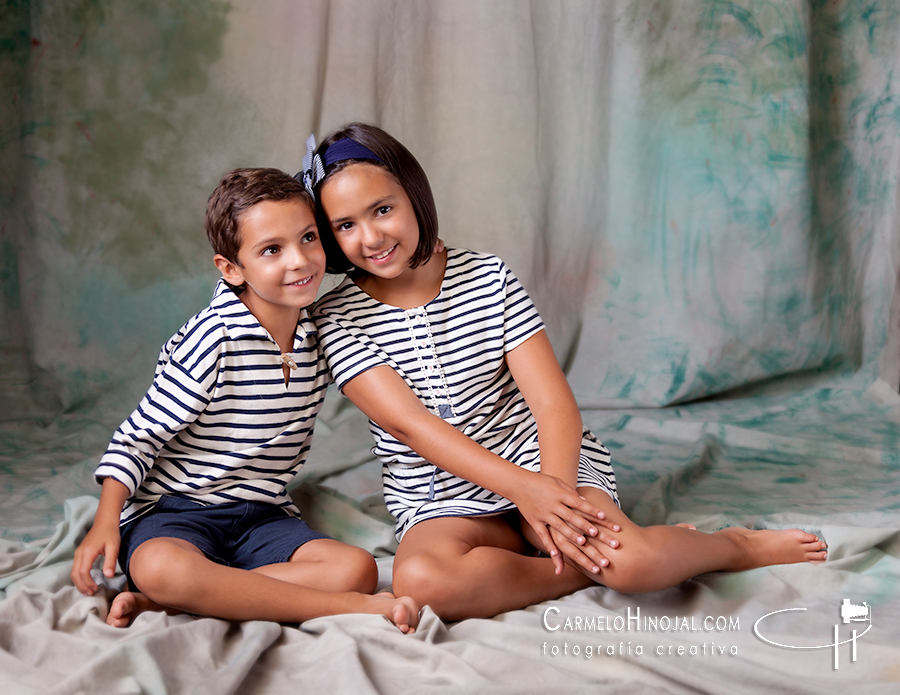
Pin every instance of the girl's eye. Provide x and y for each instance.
(344, 226)
(270, 251)
(384, 209)
(309, 237)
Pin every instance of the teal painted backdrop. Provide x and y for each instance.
(702, 196)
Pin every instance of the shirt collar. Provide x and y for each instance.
(242, 324)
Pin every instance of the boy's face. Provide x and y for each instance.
(281, 260)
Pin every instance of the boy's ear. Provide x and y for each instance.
(230, 270)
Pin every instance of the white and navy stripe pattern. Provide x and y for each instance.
(451, 352)
(219, 424)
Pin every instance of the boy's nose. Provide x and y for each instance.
(296, 258)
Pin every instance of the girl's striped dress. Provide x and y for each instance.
(451, 353)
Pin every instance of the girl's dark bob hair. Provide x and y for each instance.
(399, 163)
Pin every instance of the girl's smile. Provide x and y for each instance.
(383, 256)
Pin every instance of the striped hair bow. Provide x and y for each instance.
(313, 171)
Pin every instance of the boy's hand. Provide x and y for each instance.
(103, 539)
(548, 504)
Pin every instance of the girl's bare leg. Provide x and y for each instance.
(657, 557)
(465, 567)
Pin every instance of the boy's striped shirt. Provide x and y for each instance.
(218, 424)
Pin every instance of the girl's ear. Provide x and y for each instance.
(230, 270)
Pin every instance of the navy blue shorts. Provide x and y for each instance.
(245, 535)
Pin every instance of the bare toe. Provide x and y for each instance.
(817, 552)
(404, 612)
(121, 609)
(401, 617)
(127, 606)
(775, 547)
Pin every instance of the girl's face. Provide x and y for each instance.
(372, 218)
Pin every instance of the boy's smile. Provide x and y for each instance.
(280, 261)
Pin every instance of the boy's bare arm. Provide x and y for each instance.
(103, 538)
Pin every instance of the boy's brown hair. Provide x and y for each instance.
(238, 191)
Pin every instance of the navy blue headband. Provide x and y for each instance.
(314, 168)
(345, 148)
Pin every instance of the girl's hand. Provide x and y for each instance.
(589, 557)
(601, 524)
(547, 503)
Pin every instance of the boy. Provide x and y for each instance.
(196, 476)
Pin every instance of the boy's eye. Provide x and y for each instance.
(344, 226)
(309, 237)
(270, 251)
(384, 209)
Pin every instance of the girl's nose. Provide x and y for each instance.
(372, 236)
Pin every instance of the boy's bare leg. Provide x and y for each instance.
(323, 564)
(174, 574)
(128, 605)
(328, 565)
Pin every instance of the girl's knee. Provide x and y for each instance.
(422, 578)
(635, 563)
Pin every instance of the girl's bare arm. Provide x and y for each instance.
(544, 501)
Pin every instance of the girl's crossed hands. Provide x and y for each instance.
(563, 521)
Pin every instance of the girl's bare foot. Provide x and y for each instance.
(403, 611)
(127, 606)
(775, 547)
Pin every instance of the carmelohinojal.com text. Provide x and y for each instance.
(632, 622)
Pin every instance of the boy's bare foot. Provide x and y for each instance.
(127, 606)
(775, 547)
(403, 611)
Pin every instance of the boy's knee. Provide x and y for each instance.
(347, 567)
(360, 570)
(154, 568)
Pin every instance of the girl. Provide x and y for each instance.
(485, 459)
